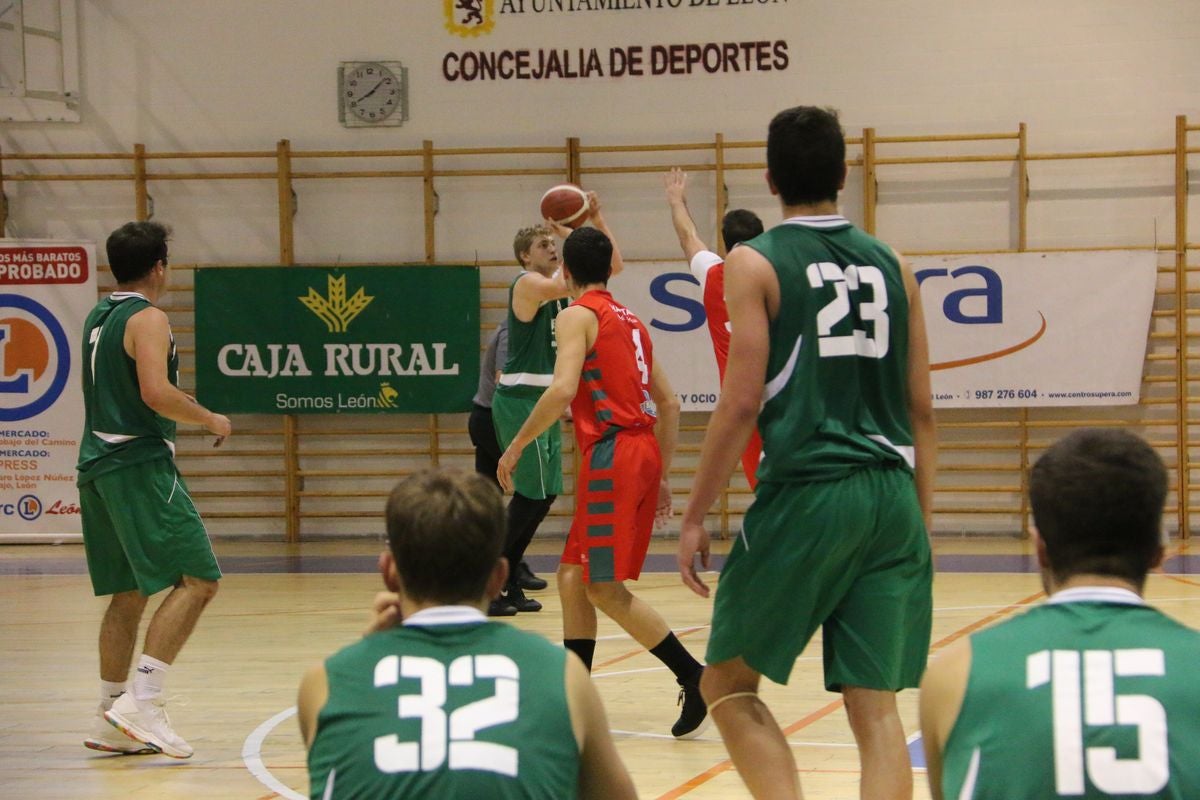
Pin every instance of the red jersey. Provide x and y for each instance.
(709, 269)
(614, 389)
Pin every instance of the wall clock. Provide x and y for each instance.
(372, 93)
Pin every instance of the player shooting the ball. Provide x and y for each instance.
(535, 297)
(626, 421)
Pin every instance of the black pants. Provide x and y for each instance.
(487, 446)
(524, 514)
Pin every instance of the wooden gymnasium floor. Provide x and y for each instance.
(282, 608)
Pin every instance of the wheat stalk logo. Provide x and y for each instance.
(336, 311)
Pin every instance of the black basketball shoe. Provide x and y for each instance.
(693, 717)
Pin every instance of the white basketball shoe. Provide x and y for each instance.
(147, 721)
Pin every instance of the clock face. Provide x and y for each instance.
(371, 92)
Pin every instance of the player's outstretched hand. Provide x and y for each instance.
(385, 613)
(675, 182)
(505, 468)
(663, 512)
(693, 540)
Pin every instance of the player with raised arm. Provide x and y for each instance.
(535, 298)
(438, 701)
(626, 420)
(737, 226)
(1091, 694)
(141, 531)
(828, 357)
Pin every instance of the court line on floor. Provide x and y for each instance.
(722, 767)
(252, 756)
(630, 654)
(717, 739)
(252, 748)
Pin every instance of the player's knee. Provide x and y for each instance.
(128, 603)
(868, 706)
(202, 589)
(606, 595)
(721, 680)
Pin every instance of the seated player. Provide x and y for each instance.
(1091, 694)
(605, 370)
(438, 701)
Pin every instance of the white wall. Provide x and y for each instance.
(205, 75)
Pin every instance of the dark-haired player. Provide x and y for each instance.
(1092, 694)
(828, 357)
(141, 531)
(626, 420)
(738, 225)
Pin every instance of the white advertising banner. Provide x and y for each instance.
(1012, 329)
(46, 291)
(668, 299)
(1037, 329)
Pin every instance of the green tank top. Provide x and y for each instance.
(1092, 695)
(456, 706)
(531, 348)
(836, 397)
(119, 429)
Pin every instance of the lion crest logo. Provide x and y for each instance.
(469, 18)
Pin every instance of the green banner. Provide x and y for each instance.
(358, 340)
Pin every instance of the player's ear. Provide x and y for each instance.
(842, 182)
(771, 183)
(387, 568)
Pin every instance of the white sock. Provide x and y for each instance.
(109, 692)
(148, 678)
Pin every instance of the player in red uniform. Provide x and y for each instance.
(626, 421)
(738, 225)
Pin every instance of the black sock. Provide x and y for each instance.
(671, 652)
(584, 648)
(524, 516)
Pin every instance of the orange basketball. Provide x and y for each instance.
(566, 204)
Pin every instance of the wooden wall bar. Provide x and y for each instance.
(293, 475)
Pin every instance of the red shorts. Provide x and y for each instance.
(616, 495)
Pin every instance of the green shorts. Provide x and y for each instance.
(850, 556)
(539, 472)
(142, 531)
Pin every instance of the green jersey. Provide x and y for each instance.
(119, 429)
(447, 705)
(1091, 695)
(836, 397)
(531, 348)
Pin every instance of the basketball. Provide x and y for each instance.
(565, 204)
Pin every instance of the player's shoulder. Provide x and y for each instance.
(527, 644)
(953, 659)
(145, 317)
(704, 261)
